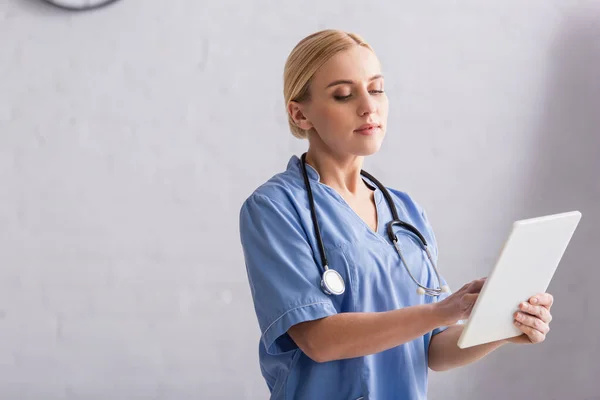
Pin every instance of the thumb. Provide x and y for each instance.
(477, 285)
(471, 298)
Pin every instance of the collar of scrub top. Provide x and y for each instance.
(380, 191)
(312, 174)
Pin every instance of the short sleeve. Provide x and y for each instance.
(282, 272)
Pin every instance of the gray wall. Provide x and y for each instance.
(129, 138)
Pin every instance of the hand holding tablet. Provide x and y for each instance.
(523, 271)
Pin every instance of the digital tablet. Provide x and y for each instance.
(524, 268)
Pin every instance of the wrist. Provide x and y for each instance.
(440, 315)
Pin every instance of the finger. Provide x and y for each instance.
(475, 286)
(469, 301)
(541, 312)
(543, 299)
(471, 298)
(532, 322)
(534, 335)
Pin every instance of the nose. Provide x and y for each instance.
(367, 105)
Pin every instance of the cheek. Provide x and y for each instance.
(383, 109)
(335, 119)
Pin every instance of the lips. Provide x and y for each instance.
(367, 129)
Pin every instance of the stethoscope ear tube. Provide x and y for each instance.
(313, 212)
(406, 226)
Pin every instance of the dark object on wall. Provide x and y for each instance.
(80, 5)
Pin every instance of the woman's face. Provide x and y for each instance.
(347, 109)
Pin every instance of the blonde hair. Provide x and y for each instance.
(306, 58)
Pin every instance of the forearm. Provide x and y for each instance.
(444, 354)
(349, 335)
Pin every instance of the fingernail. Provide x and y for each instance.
(534, 300)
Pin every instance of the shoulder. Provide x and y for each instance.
(270, 215)
(415, 214)
(407, 202)
(281, 192)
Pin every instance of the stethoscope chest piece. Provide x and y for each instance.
(332, 282)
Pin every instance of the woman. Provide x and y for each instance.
(364, 331)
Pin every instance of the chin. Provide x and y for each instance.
(367, 149)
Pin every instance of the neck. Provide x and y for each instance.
(342, 173)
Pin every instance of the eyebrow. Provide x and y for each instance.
(349, 82)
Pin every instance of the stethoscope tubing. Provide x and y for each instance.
(391, 234)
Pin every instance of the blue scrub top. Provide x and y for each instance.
(284, 271)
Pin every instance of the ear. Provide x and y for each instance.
(296, 112)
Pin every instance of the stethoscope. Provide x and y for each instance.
(332, 282)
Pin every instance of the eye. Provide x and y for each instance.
(342, 98)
